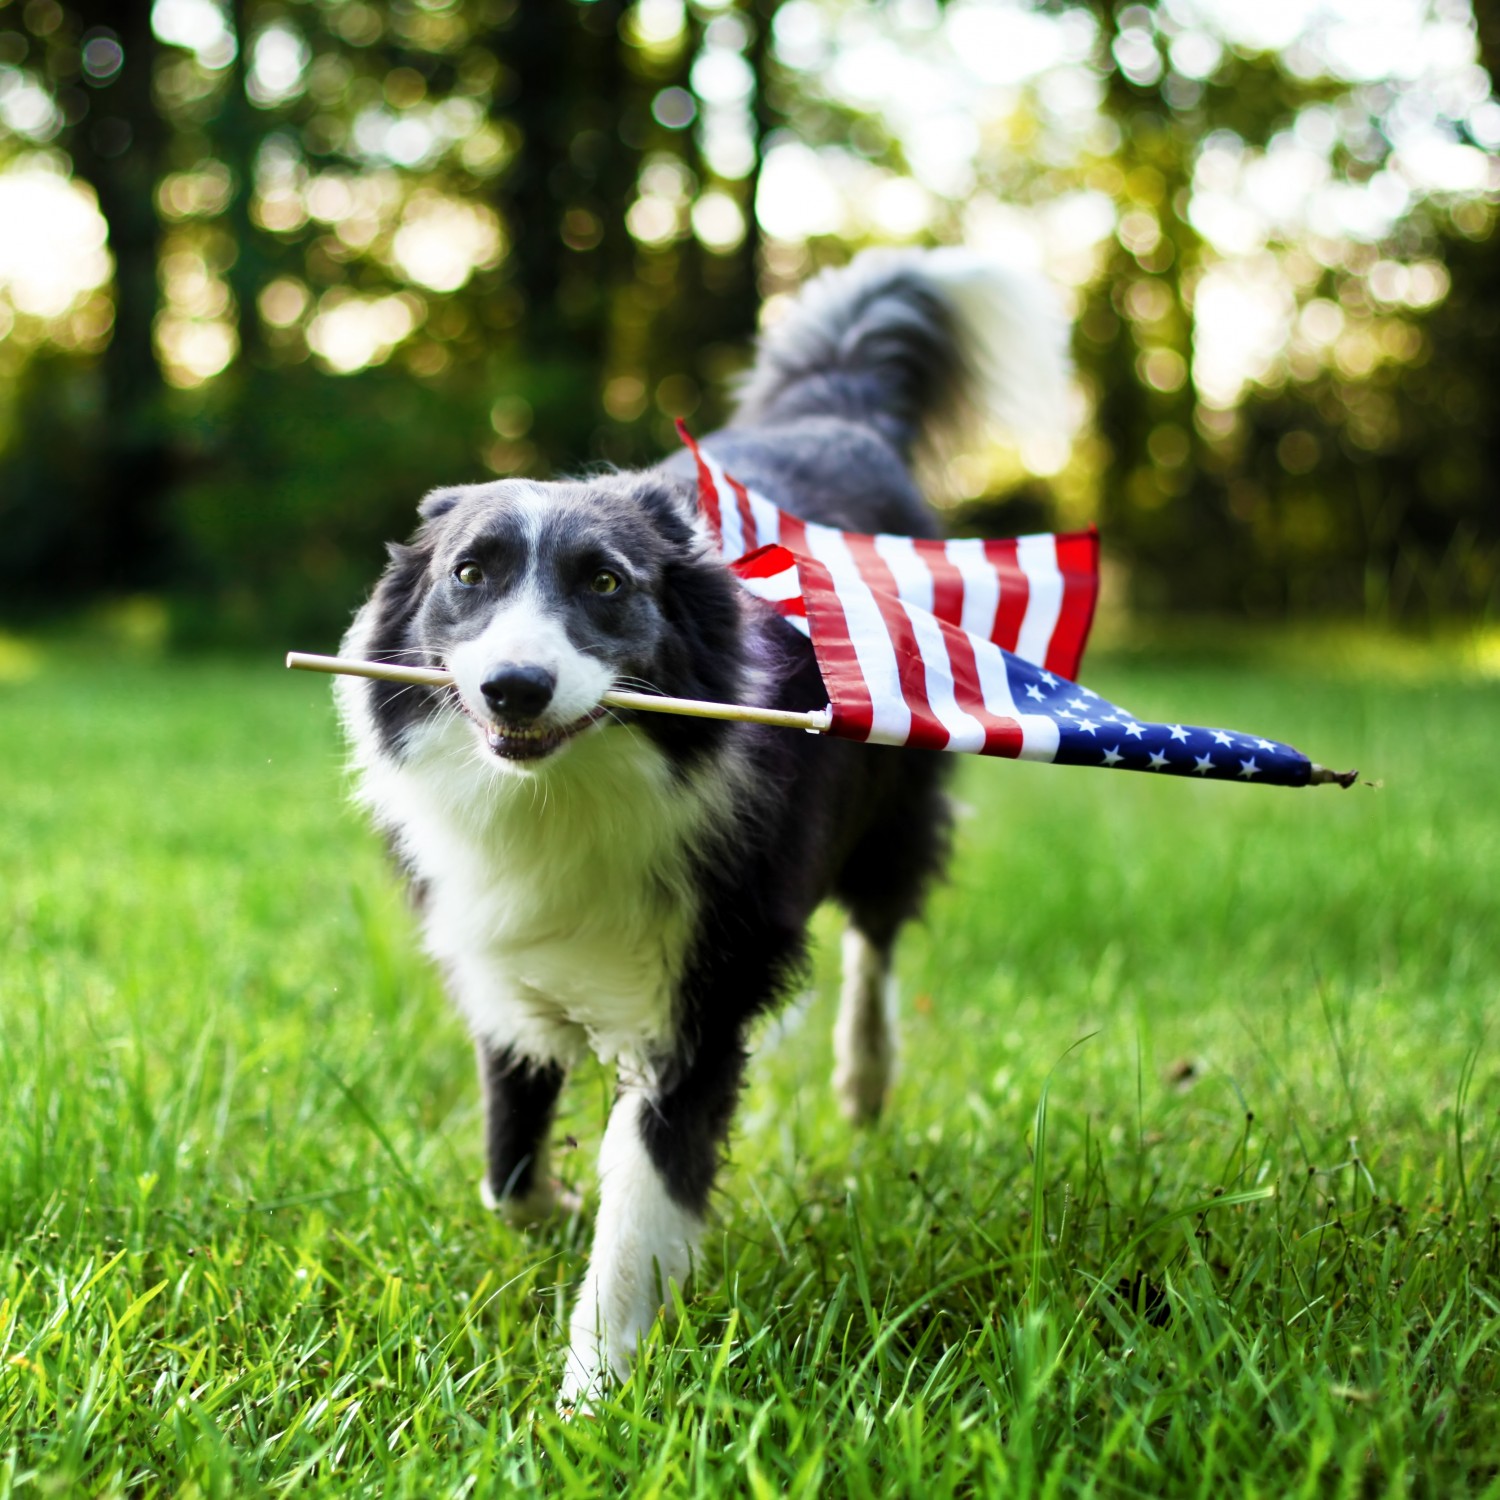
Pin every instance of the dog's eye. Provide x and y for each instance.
(469, 574)
(605, 582)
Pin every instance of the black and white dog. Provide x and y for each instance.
(641, 884)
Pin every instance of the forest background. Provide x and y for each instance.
(269, 269)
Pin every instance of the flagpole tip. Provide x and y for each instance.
(1322, 776)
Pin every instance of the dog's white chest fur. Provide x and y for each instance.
(561, 905)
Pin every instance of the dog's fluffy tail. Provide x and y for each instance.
(916, 344)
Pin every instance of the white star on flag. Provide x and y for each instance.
(1178, 732)
(1112, 756)
(1202, 765)
(1087, 724)
(1134, 729)
(1248, 768)
(1158, 760)
(1222, 738)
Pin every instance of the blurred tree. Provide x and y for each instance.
(119, 147)
(99, 462)
(1326, 473)
(362, 246)
(1166, 476)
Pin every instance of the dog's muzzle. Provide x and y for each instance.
(516, 698)
(533, 742)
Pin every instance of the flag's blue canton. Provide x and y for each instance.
(1094, 732)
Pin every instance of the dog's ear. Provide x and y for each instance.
(438, 504)
(670, 508)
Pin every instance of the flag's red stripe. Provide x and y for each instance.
(927, 730)
(708, 495)
(794, 535)
(848, 693)
(1078, 562)
(794, 607)
(1002, 736)
(764, 562)
(747, 513)
(947, 581)
(1015, 593)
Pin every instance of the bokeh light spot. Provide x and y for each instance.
(675, 108)
(101, 56)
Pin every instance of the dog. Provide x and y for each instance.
(640, 885)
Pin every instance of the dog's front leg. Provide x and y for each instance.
(656, 1170)
(643, 1241)
(520, 1095)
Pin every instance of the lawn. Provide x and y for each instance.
(1188, 1187)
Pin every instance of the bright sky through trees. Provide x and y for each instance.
(949, 85)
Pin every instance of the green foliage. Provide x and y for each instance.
(529, 216)
(281, 538)
(1188, 1184)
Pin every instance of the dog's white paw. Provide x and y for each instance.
(547, 1200)
(586, 1377)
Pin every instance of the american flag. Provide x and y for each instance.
(962, 645)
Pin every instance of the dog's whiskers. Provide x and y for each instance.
(410, 687)
(637, 684)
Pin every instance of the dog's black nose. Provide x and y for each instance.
(519, 692)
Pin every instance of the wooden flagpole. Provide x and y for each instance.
(816, 722)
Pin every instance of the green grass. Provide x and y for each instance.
(1187, 1187)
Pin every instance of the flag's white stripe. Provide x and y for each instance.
(868, 635)
(914, 584)
(965, 732)
(1037, 556)
(994, 681)
(729, 513)
(913, 577)
(981, 586)
(1039, 738)
(767, 519)
(776, 586)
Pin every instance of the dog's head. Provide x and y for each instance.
(541, 598)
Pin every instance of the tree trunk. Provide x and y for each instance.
(119, 149)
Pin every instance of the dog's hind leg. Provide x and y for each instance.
(520, 1095)
(881, 886)
(864, 1036)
